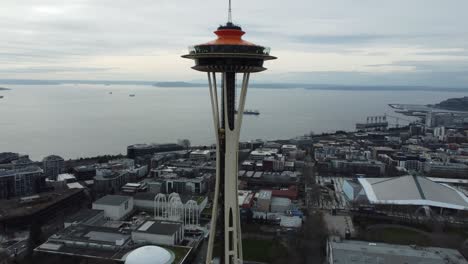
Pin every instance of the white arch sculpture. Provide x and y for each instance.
(191, 213)
(160, 206)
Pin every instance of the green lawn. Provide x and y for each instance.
(207, 211)
(260, 250)
(200, 199)
(179, 252)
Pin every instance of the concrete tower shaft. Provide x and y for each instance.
(227, 56)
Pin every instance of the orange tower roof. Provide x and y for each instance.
(229, 37)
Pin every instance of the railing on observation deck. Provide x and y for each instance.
(258, 50)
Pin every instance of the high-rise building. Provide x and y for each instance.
(226, 56)
(53, 165)
(21, 182)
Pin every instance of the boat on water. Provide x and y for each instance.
(110, 92)
(1, 96)
(251, 112)
(132, 95)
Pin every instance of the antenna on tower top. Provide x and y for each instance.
(230, 13)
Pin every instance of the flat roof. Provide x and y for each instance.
(357, 252)
(65, 176)
(160, 227)
(74, 185)
(264, 194)
(242, 195)
(200, 152)
(83, 215)
(258, 174)
(280, 201)
(10, 209)
(113, 200)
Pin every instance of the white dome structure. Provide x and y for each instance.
(150, 255)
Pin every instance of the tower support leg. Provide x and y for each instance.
(227, 128)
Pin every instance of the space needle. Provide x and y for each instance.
(224, 58)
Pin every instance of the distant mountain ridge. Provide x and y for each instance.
(4, 89)
(454, 104)
(180, 84)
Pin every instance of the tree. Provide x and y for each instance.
(184, 142)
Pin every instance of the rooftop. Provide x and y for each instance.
(18, 208)
(83, 215)
(65, 176)
(413, 190)
(98, 243)
(113, 200)
(351, 251)
(160, 227)
(200, 152)
(264, 194)
(29, 169)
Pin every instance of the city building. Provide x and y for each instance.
(446, 169)
(286, 149)
(245, 199)
(261, 154)
(22, 211)
(185, 185)
(111, 176)
(358, 252)
(115, 207)
(85, 172)
(369, 168)
(8, 157)
(21, 182)
(263, 200)
(353, 190)
(53, 165)
(108, 181)
(22, 162)
(133, 188)
(97, 244)
(280, 204)
(160, 232)
(201, 154)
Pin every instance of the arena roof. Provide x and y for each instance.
(413, 190)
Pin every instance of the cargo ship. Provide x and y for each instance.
(250, 112)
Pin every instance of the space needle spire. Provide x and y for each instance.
(223, 59)
(230, 13)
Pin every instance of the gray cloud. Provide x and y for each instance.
(54, 70)
(341, 39)
(39, 35)
(453, 66)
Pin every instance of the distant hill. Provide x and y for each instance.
(4, 89)
(257, 85)
(178, 84)
(454, 104)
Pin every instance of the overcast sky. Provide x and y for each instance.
(372, 42)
